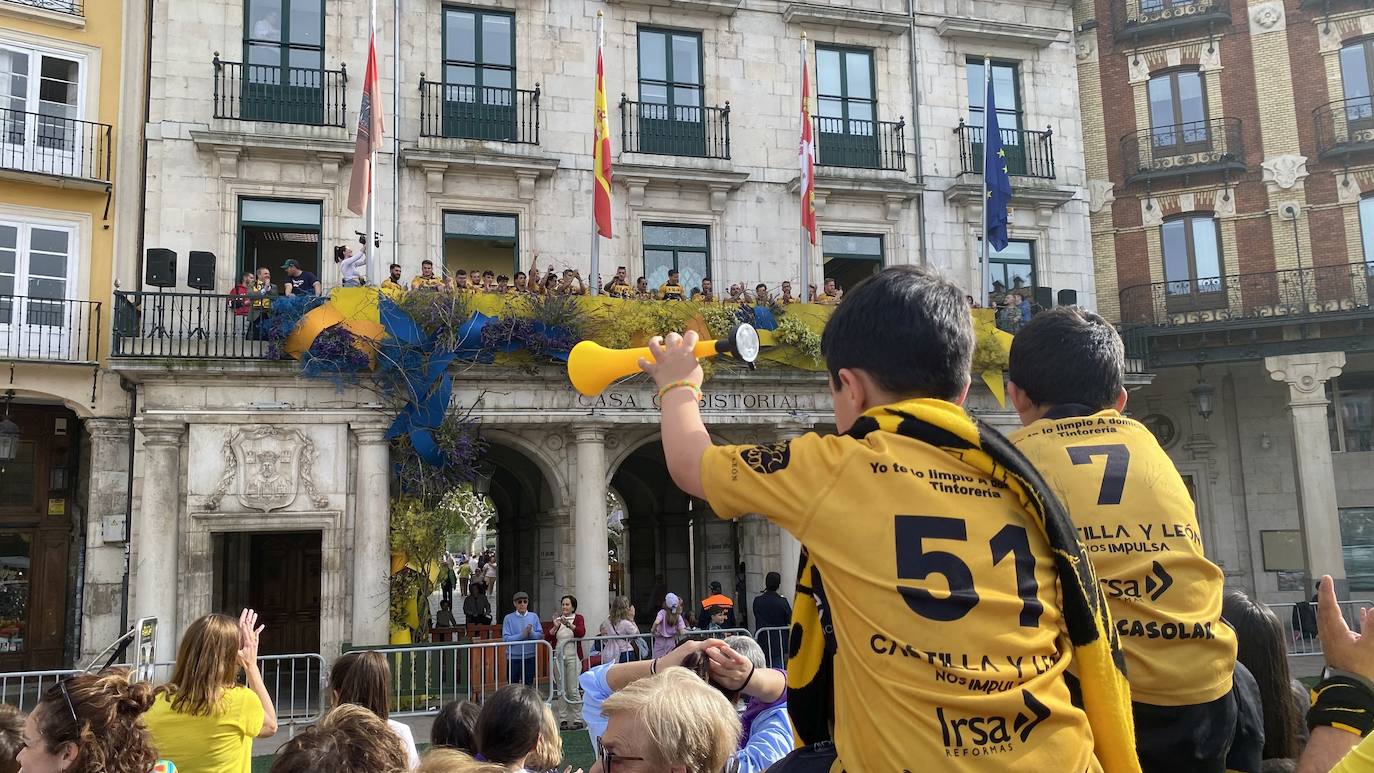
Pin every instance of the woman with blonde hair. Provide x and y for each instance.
(453, 761)
(620, 623)
(89, 723)
(203, 720)
(364, 679)
(349, 739)
(548, 752)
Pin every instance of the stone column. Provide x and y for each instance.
(591, 565)
(789, 552)
(1306, 376)
(159, 519)
(106, 460)
(372, 538)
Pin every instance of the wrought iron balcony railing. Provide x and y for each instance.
(1029, 153)
(72, 7)
(1266, 295)
(674, 130)
(1182, 149)
(49, 329)
(53, 145)
(473, 113)
(186, 325)
(861, 144)
(263, 92)
(1326, 6)
(1141, 18)
(1344, 126)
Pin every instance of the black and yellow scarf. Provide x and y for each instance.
(1096, 650)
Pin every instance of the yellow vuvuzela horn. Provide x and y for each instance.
(592, 367)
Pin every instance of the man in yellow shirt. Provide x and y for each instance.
(830, 294)
(427, 280)
(393, 282)
(670, 290)
(933, 565)
(642, 291)
(619, 286)
(786, 298)
(1136, 518)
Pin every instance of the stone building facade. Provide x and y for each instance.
(1227, 161)
(488, 107)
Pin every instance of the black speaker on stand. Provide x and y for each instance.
(200, 275)
(1043, 297)
(160, 271)
(1068, 297)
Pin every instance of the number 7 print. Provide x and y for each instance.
(1114, 476)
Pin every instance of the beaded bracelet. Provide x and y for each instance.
(663, 390)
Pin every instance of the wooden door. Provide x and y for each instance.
(284, 587)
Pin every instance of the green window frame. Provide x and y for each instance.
(495, 230)
(846, 106)
(283, 56)
(286, 223)
(479, 100)
(682, 246)
(1006, 81)
(671, 119)
(849, 258)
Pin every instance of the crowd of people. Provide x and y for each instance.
(967, 601)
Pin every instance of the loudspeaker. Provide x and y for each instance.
(161, 268)
(1068, 298)
(200, 270)
(1044, 297)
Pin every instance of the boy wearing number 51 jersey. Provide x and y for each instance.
(1136, 519)
(943, 594)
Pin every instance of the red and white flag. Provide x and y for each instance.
(806, 154)
(370, 133)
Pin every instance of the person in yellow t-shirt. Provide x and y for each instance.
(670, 290)
(950, 645)
(203, 720)
(786, 298)
(1137, 520)
(427, 280)
(830, 293)
(393, 282)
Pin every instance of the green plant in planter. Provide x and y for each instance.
(794, 333)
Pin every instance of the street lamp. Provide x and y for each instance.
(481, 484)
(1202, 395)
(9, 432)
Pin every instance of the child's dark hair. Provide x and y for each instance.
(509, 724)
(455, 726)
(1068, 355)
(908, 328)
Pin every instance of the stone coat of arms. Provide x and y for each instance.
(267, 466)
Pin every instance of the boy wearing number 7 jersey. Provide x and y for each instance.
(1136, 519)
(943, 594)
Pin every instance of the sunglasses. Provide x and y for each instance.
(609, 757)
(62, 685)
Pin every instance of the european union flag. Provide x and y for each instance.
(995, 176)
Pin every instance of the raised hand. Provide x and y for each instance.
(249, 630)
(1342, 647)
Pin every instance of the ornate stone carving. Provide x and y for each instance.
(1348, 189)
(1087, 46)
(1306, 374)
(1209, 58)
(1139, 69)
(1284, 171)
(1224, 203)
(1100, 195)
(267, 465)
(1267, 17)
(554, 441)
(1151, 214)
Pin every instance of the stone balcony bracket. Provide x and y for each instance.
(437, 158)
(328, 146)
(892, 189)
(1001, 33)
(816, 15)
(638, 178)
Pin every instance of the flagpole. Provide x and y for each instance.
(593, 276)
(983, 292)
(373, 271)
(805, 289)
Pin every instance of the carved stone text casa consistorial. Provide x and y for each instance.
(267, 466)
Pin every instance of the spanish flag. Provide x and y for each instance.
(601, 148)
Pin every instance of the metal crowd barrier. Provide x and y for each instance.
(1300, 628)
(425, 678)
(775, 641)
(23, 689)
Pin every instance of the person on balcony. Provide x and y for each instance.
(831, 294)
(260, 295)
(300, 282)
(619, 286)
(642, 291)
(238, 299)
(670, 290)
(786, 297)
(393, 282)
(427, 280)
(708, 291)
(352, 265)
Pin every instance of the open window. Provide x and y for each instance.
(273, 231)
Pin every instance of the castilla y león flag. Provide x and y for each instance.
(601, 148)
(370, 132)
(806, 154)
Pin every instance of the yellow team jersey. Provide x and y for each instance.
(1138, 525)
(219, 743)
(667, 292)
(431, 283)
(951, 645)
(826, 299)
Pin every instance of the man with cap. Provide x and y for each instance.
(300, 282)
(719, 599)
(522, 625)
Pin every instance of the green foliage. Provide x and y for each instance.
(720, 318)
(794, 333)
(988, 353)
(405, 585)
(438, 312)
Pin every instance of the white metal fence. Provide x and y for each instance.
(426, 677)
(1300, 623)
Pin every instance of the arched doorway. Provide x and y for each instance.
(672, 541)
(523, 533)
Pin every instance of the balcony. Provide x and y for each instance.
(184, 325)
(59, 13)
(1134, 19)
(53, 146)
(1344, 127)
(1029, 153)
(52, 330)
(1199, 147)
(1269, 295)
(860, 144)
(468, 112)
(670, 130)
(1325, 6)
(71, 7)
(275, 94)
